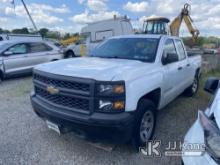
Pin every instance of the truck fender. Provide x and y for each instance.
(142, 87)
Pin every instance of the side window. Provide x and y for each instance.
(169, 52)
(102, 35)
(39, 47)
(18, 49)
(180, 49)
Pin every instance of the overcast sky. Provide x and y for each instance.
(72, 15)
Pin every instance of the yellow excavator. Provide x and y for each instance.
(161, 25)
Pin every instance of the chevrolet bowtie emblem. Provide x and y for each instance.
(52, 90)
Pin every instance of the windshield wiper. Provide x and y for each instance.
(106, 56)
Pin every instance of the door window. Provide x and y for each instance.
(181, 51)
(169, 48)
(18, 49)
(39, 47)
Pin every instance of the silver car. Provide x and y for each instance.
(17, 57)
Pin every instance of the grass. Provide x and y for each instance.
(213, 73)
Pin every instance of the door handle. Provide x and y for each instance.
(180, 68)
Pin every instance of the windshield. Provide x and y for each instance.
(143, 49)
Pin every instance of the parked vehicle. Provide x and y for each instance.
(22, 37)
(206, 130)
(19, 57)
(211, 51)
(116, 92)
(96, 32)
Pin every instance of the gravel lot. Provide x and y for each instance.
(25, 139)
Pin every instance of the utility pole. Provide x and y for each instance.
(28, 13)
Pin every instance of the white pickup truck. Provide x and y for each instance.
(116, 92)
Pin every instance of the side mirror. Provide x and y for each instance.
(211, 85)
(7, 53)
(169, 58)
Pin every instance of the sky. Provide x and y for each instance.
(72, 15)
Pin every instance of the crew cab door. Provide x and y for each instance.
(185, 68)
(15, 59)
(172, 78)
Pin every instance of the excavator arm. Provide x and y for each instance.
(184, 16)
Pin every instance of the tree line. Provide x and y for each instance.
(44, 32)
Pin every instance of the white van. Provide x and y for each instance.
(96, 32)
(23, 37)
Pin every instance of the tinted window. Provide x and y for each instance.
(39, 47)
(169, 48)
(18, 49)
(180, 49)
(143, 49)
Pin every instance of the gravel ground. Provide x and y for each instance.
(25, 139)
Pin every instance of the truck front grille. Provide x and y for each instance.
(66, 101)
(73, 94)
(62, 83)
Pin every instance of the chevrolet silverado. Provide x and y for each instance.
(115, 93)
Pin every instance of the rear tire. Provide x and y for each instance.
(193, 89)
(70, 54)
(145, 123)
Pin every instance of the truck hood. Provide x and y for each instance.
(94, 68)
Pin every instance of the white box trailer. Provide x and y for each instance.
(94, 33)
(24, 37)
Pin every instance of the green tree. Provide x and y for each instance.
(20, 31)
(43, 32)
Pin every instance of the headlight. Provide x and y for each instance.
(114, 88)
(110, 96)
(111, 106)
(212, 135)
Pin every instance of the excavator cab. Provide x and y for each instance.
(159, 25)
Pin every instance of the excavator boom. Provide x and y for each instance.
(184, 16)
(160, 25)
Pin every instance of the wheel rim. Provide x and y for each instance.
(195, 86)
(147, 125)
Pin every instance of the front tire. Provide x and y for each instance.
(70, 54)
(145, 123)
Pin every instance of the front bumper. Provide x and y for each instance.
(97, 126)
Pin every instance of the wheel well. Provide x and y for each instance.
(154, 96)
(68, 51)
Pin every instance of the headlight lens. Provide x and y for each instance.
(110, 96)
(111, 89)
(212, 135)
(111, 106)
